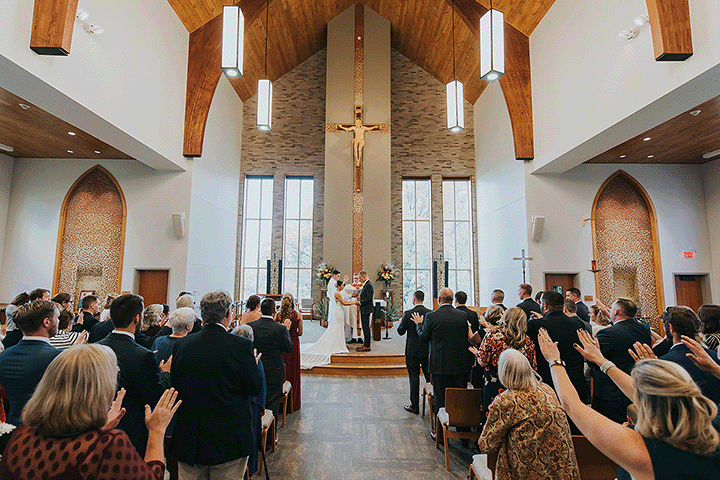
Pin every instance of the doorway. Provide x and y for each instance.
(152, 285)
(560, 282)
(689, 290)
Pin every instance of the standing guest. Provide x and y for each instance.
(272, 340)
(139, 375)
(367, 294)
(12, 333)
(90, 305)
(252, 310)
(65, 337)
(22, 365)
(598, 319)
(416, 351)
(185, 299)
(64, 300)
(582, 309)
(105, 313)
(103, 328)
(68, 414)
(510, 335)
(216, 374)
(538, 296)
(710, 319)
(292, 359)
(497, 298)
(527, 426)
(151, 319)
(39, 294)
(614, 344)
(490, 320)
(446, 332)
(181, 321)
(570, 309)
(527, 303)
(475, 375)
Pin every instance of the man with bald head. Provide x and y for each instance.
(446, 331)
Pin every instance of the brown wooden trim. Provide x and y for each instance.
(517, 91)
(63, 217)
(670, 27)
(52, 26)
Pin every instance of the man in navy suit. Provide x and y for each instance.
(367, 294)
(527, 303)
(582, 309)
(416, 351)
(23, 365)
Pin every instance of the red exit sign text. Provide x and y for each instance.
(688, 254)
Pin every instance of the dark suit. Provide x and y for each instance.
(528, 306)
(416, 353)
(472, 318)
(89, 321)
(562, 329)
(446, 331)
(367, 295)
(100, 331)
(272, 339)
(143, 384)
(582, 311)
(614, 343)
(21, 368)
(215, 374)
(708, 383)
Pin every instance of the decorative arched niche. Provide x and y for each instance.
(91, 237)
(626, 246)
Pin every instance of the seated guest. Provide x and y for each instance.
(582, 309)
(12, 333)
(526, 301)
(510, 335)
(151, 319)
(68, 414)
(252, 310)
(598, 319)
(90, 305)
(23, 365)
(710, 319)
(65, 338)
(673, 437)
(528, 426)
(497, 298)
(181, 321)
(64, 300)
(570, 309)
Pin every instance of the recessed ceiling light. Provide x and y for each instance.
(97, 151)
(72, 133)
(24, 106)
(695, 113)
(70, 151)
(651, 156)
(623, 156)
(646, 139)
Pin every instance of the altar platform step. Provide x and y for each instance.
(362, 364)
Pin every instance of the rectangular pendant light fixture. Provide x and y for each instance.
(455, 110)
(264, 105)
(492, 45)
(233, 39)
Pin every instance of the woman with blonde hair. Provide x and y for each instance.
(68, 424)
(151, 319)
(527, 426)
(598, 319)
(510, 334)
(105, 314)
(292, 359)
(673, 437)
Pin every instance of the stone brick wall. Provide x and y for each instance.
(296, 145)
(421, 145)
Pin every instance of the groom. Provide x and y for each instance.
(367, 293)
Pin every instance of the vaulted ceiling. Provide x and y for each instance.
(421, 30)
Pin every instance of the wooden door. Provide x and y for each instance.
(688, 291)
(152, 285)
(565, 280)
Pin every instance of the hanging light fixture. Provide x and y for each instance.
(264, 95)
(455, 106)
(233, 39)
(492, 45)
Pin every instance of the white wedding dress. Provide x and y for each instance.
(332, 341)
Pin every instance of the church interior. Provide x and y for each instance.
(582, 150)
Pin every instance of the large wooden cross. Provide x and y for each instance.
(358, 129)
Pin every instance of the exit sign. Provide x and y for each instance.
(690, 254)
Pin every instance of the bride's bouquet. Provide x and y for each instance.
(324, 272)
(386, 274)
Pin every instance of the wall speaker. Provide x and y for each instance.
(538, 222)
(179, 224)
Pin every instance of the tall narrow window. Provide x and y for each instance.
(417, 240)
(457, 233)
(297, 248)
(257, 233)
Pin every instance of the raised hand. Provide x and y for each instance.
(158, 419)
(548, 348)
(641, 352)
(257, 356)
(590, 349)
(116, 411)
(700, 357)
(82, 338)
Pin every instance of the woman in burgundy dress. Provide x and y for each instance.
(292, 360)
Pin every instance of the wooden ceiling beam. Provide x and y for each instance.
(52, 26)
(670, 27)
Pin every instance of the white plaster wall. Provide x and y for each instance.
(711, 179)
(501, 222)
(38, 190)
(212, 221)
(6, 176)
(586, 79)
(133, 75)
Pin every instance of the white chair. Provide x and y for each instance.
(285, 399)
(428, 392)
(268, 425)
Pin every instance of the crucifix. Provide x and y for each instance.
(523, 258)
(358, 130)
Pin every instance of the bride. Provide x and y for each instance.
(333, 340)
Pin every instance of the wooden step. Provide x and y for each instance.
(360, 370)
(367, 358)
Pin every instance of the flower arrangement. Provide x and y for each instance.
(324, 272)
(386, 274)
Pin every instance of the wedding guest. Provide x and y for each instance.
(39, 294)
(64, 300)
(185, 299)
(181, 321)
(710, 319)
(12, 333)
(90, 305)
(598, 319)
(570, 310)
(151, 319)
(497, 298)
(252, 310)
(526, 301)
(73, 415)
(527, 426)
(292, 359)
(582, 309)
(105, 314)
(490, 320)
(416, 351)
(65, 337)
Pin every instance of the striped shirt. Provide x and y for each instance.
(64, 340)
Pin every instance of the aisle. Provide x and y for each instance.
(356, 428)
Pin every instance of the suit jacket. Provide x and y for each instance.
(582, 311)
(529, 305)
(414, 347)
(708, 383)
(367, 294)
(21, 368)
(143, 384)
(100, 331)
(562, 329)
(89, 321)
(614, 343)
(472, 317)
(272, 339)
(446, 331)
(215, 374)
